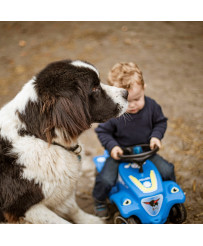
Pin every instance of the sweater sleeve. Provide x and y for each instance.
(105, 134)
(159, 122)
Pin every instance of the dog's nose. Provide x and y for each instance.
(125, 94)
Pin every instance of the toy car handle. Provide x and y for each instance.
(142, 156)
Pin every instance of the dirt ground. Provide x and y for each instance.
(170, 54)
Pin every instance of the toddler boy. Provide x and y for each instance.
(143, 123)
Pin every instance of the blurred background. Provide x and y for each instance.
(170, 54)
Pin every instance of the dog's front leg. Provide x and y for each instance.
(81, 217)
(40, 214)
(70, 209)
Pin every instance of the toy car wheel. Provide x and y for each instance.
(118, 219)
(133, 220)
(178, 214)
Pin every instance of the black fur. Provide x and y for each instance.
(17, 195)
(63, 79)
(67, 100)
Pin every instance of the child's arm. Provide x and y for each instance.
(159, 122)
(105, 132)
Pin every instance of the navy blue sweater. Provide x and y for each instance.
(132, 129)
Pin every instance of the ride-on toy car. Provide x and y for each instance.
(140, 194)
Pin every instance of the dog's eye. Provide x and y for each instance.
(96, 89)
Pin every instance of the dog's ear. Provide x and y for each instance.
(71, 117)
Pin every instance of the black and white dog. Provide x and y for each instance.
(39, 166)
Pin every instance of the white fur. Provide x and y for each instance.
(40, 214)
(84, 64)
(116, 95)
(9, 122)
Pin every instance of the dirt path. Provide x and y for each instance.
(170, 54)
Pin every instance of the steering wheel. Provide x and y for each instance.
(138, 158)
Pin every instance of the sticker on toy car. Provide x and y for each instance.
(152, 205)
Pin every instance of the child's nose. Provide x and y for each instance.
(131, 104)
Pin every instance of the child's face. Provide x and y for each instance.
(135, 99)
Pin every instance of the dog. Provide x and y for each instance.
(39, 150)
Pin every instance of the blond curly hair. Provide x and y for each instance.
(124, 75)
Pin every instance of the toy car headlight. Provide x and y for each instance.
(174, 189)
(127, 202)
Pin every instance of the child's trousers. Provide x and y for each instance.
(106, 179)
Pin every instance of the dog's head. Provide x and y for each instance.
(71, 98)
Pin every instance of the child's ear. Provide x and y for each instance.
(145, 86)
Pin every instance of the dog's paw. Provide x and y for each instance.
(90, 219)
(96, 220)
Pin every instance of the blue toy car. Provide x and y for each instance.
(140, 194)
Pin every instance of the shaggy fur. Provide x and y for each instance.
(38, 131)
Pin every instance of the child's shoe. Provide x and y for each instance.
(101, 209)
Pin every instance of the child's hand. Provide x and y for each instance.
(115, 152)
(155, 142)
